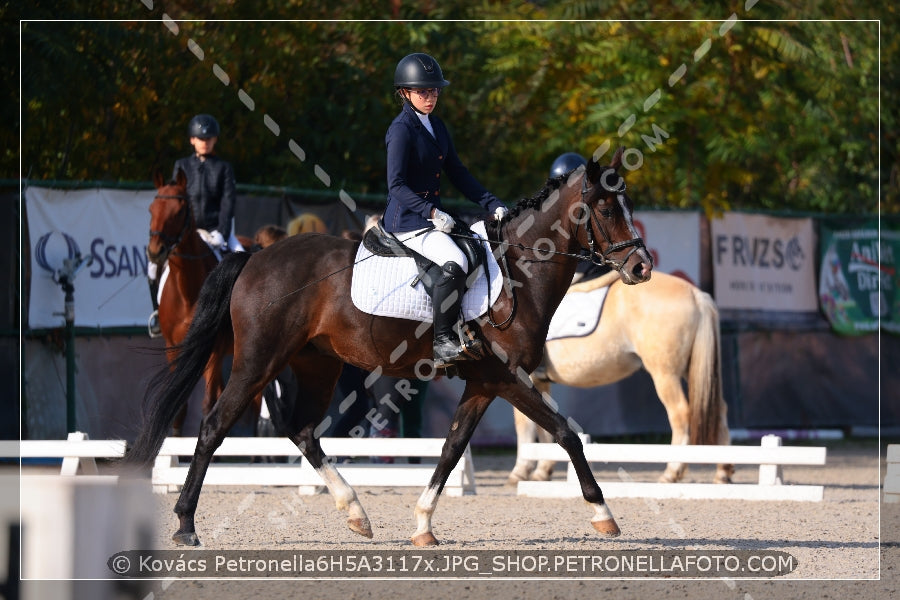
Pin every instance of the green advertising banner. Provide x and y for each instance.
(858, 280)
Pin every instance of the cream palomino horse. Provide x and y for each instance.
(666, 325)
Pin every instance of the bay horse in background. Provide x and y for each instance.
(281, 308)
(667, 326)
(174, 238)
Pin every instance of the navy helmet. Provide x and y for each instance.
(419, 70)
(203, 127)
(565, 163)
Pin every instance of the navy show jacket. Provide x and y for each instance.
(415, 161)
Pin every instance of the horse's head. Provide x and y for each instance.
(607, 216)
(170, 216)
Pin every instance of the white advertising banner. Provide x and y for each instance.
(109, 226)
(673, 240)
(764, 263)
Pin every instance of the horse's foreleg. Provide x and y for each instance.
(526, 432)
(214, 383)
(671, 394)
(544, 469)
(532, 404)
(213, 429)
(468, 413)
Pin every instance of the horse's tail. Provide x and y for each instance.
(170, 389)
(705, 374)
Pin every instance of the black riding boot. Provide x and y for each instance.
(447, 299)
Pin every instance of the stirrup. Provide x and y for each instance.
(445, 355)
(153, 329)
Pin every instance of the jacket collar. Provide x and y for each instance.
(413, 118)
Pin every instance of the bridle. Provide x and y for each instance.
(170, 242)
(601, 257)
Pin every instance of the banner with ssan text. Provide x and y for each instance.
(764, 263)
(106, 227)
(858, 281)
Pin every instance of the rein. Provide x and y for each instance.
(172, 242)
(595, 255)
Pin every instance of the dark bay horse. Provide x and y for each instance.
(667, 326)
(280, 307)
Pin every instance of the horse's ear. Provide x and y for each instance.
(158, 179)
(180, 178)
(617, 158)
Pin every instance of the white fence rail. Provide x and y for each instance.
(169, 475)
(770, 456)
(77, 452)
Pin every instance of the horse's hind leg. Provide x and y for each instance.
(213, 428)
(724, 472)
(670, 392)
(316, 377)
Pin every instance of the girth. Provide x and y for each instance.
(383, 243)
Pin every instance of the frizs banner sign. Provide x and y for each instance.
(858, 281)
(108, 229)
(764, 263)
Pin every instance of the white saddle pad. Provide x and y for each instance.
(577, 315)
(381, 286)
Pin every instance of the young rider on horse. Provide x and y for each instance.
(418, 149)
(210, 190)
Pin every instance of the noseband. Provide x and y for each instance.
(169, 241)
(599, 256)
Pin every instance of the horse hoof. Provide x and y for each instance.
(424, 539)
(607, 527)
(541, 476)
(514, 479)
(723, 480)
(360, 526)
(186, 539)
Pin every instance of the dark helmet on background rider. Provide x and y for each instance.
(203, 127)
(565, 163)
(419, 70)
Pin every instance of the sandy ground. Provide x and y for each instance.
(847, 544)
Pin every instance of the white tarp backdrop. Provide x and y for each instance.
(111, 227)
(673, 240)
(764, 263)
(108, 225)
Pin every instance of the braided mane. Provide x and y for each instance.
(535, 202)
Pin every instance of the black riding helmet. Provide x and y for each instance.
(565, 163)
(203, 127)
(419, 70)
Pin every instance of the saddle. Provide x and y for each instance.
(383, 243)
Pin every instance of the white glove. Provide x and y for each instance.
(501, 212)
(215, 239)
(442, 221)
